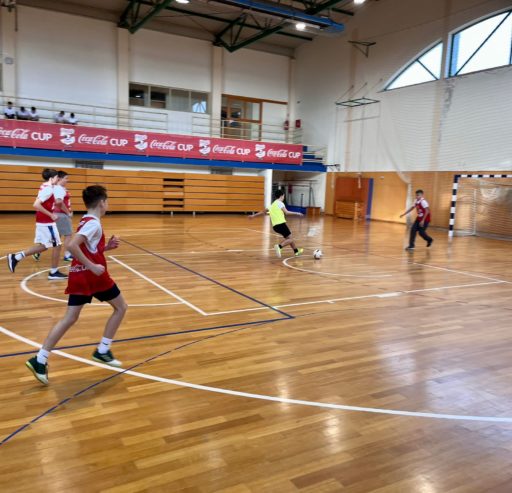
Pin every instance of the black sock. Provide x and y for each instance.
(295, 250)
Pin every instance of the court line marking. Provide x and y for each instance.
(159, 286)
(285, 262)
(281, 400)
(24, 286)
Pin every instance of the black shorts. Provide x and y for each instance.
(82, 299)
(282, 229)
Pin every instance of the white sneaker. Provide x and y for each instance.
(278, 250)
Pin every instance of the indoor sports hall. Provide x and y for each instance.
(290, 223)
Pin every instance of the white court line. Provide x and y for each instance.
(159, 286)
(234, 250)
(24, 286)
(281, 400)
(5, 256)
(285, 262)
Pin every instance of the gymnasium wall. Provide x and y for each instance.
(72, 58)
(460, 123)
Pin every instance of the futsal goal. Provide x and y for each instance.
(482, 206)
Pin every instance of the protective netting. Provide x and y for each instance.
(484, 207)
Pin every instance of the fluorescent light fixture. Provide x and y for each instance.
(357, 2)
(182, 1)
(300, 26)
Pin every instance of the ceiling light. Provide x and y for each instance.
(182, 1)
(300, 26)
(357, 2)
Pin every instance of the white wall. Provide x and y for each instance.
(256, 74)
(170, 61)
(456, 124)
(65, 57)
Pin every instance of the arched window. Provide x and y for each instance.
(424, 68)
(483, 45)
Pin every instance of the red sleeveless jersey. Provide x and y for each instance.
(47, 201)
(66, 200)
(421, 209)
(81, 280)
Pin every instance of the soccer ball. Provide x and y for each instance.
(317, 254)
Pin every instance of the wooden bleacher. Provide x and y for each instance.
(139, 191)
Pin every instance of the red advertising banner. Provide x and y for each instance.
(16, 133)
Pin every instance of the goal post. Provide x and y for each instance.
(481, 205)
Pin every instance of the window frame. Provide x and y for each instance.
(451, 59)
(406, 67)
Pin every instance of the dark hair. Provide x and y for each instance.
(22, 108)
(278, 193)
(419, 191)
(9, 102)
(62, 174)
(93, 194)
(48, 173)
(33, 108)
(72, 115)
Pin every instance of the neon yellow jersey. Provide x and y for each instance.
(276, 213)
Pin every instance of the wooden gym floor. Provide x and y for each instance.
(370, 370)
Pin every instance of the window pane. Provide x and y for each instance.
(180, 100)
(415, 74)
(432, 59)
(199, 102)
(158, 97)
(467, 42)
(495, 52)
(138, 94)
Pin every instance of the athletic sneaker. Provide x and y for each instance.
(430, 242)
(299, 252)
(68, 258)
(57, 276)
(278, 250)
(107, 358)
(36, 256)
(409, 249)
(39, 370)
(12, 262)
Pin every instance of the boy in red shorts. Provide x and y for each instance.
(88, 278)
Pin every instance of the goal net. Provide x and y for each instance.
(482, 206)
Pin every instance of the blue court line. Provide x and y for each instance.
(153, 336)
(261, 303)
(99, 382)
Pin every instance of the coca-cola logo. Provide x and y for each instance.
(281, 153)
(167, 145)
(14, 133)
(217, 149)
(97, 140)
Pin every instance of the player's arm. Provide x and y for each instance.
(74, 248)
(261, 213)
(113, 243)
(407, 211)
(61, 204)
(291, 213)
(38, 206)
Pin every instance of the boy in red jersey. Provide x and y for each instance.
(422, 220)
(47, 235)
(88, 278)
(62, 209)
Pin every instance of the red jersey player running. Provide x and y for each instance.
(88, 278)
(47, 235)
(422, 220)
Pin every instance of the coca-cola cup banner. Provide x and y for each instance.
(15, 133)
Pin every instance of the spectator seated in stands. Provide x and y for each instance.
(23, 114)
(33, 115)
(60, 117)
(10, 112)
(72, 120)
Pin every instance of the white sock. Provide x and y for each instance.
(104, 345)
(53, 271)
(67, 254)
(42, 356)
(19, 256)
